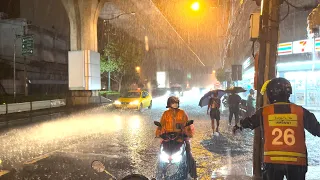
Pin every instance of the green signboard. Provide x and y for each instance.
(27, 45)
(189, 75)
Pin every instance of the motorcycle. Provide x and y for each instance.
(100, 168)
(243, 109)
(174, 162)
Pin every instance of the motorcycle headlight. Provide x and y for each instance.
(177, 157)
(164, 157)
(134, 102)
(117, 102)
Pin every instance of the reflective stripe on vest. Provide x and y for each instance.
(284, 138)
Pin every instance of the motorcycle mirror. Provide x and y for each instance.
(98, 166)
(189, 122)
(157, 123)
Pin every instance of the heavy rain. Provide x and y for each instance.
(84, 83)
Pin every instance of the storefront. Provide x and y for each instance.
(298, 62)
(247, 81)
(305, 80)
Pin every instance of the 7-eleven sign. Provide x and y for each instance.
(303, 46)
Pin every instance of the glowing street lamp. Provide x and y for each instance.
(195, 6)
(138, 68)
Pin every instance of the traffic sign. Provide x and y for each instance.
(27, 45)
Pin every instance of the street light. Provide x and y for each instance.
(138, 68)
(195, 6)
(107, 20)
(116, 17)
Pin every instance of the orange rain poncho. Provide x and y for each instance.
(170, 119)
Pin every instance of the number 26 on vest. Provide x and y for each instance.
(288, 137)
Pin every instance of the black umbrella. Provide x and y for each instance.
(204, 101)
(235, 90)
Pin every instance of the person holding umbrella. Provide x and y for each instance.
(234, 101)
(214, 112)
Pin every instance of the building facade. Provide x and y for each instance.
(46, 71)
(298, 56)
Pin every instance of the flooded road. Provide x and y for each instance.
(125, 142)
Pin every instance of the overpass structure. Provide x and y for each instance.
(166, 48)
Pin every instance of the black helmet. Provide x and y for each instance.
(279, 90)
(172, 100)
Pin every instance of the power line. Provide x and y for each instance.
(297, 7)
(282, 19)
(179, 35)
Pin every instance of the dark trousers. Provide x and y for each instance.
(235, 112)
(278, 171)
(250, 111)
(191, 161)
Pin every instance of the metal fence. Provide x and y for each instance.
(30, 106)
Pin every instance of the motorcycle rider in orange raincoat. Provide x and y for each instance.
(171, 120)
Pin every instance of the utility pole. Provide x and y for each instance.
(269, 32)
(14, 68)
(109, 74)
(25, 29)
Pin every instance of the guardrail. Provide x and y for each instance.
(30, 106)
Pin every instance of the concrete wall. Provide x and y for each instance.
(238, 45)
(47, 14)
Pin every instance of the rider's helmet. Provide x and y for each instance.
(172, 100)
(251, 91)
(279, 90)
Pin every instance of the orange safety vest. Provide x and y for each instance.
(169, 121)
(284, 138)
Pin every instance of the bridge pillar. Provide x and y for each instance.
(83, 58)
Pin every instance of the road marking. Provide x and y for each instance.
(36, 159)
(88, 154)
(3, 172)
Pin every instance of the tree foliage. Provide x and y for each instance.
(125, 53)
(221, 75)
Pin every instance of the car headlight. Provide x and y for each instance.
(117, 102)
(134, 102)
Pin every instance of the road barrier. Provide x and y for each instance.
(31, 106)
